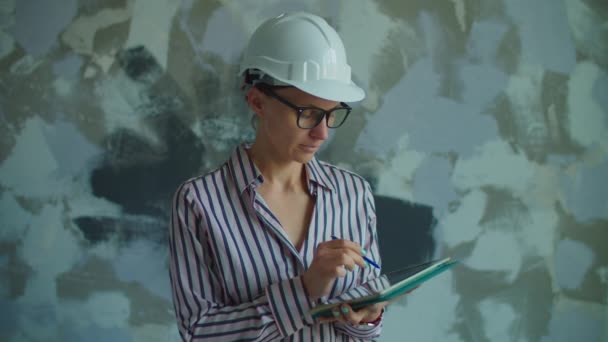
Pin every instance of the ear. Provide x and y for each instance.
(255, 100)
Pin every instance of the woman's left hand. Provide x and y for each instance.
(344, 313)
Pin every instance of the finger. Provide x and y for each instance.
(351, 316)
(348, 260)
(327, 319)
(334, 260)
(342, 244)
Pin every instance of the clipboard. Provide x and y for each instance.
(392, 285)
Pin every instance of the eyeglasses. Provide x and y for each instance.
(310, 117)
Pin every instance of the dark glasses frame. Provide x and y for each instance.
(269, 91)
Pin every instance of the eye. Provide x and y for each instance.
(308, 114)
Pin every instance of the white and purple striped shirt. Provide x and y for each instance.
(235, 275)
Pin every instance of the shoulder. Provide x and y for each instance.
(338, 174)
(194, 186)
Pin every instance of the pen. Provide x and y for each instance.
(370, 261)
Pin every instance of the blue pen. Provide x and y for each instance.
(371, 262)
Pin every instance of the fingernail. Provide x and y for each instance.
(363, 251)
(366, 263)
(336, 313)
(345, 310)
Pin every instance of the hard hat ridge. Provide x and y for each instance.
(302, 50)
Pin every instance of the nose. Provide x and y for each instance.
(320, 131)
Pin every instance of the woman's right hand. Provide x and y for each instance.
(332, 259)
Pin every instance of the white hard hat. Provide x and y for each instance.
(302, 50)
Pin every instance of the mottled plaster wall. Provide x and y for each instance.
(484, 134)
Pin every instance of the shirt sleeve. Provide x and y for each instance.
(281, 310)
(370, 277)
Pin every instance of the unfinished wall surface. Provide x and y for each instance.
(484, 135)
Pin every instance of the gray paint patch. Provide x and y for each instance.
(544, 33)
(143, 261)
(587, 192)
(40, 22)
(481, 84)
(68, 67)
(8, 319)
(94, 333)
(432, 184)
(7, 44)
(574, 325)
(572, 261)
(228, 44)
(433, 123)
(70, 149)
(600, 92)
(484, 40)
(14, 219)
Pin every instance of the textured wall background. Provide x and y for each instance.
(484, 134)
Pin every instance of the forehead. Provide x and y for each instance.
(302, 98)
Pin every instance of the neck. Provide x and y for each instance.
(279, 174)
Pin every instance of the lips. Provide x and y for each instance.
(310, 147)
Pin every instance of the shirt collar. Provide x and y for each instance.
(317, 173)
(246, 174)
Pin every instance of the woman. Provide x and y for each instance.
(251, 242)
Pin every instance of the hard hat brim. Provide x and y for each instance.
(331, 90)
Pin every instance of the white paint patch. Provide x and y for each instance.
(30, 168)
(433, 123)
(416, 316)
(539, 232)
(364, 31)
(14, 218)
(544, 37)
(573, 260)
(396, 179)
(460, 12)
(143, 262)
(49, 237)
(90, 72)
(546, 188)
(63, 87)
(151, 25)
(587, 119)
(80, 35)
(104, 62)
(432, 185)
(573, 320)
(462, 225)
(497, 165)
(155, 333)
(498, 321)
(588, 28)
(7, 44)
(224, 36)
(121, 100)
(497, 251)
(108, 309)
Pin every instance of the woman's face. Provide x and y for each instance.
(277, 124)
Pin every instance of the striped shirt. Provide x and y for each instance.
(235, 275)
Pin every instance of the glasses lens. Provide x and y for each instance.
(337, 117)
(310, 118)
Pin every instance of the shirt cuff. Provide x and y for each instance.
(290, 305)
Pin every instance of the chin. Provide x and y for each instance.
(303, 157)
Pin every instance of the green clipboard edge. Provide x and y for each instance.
(325, 310)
